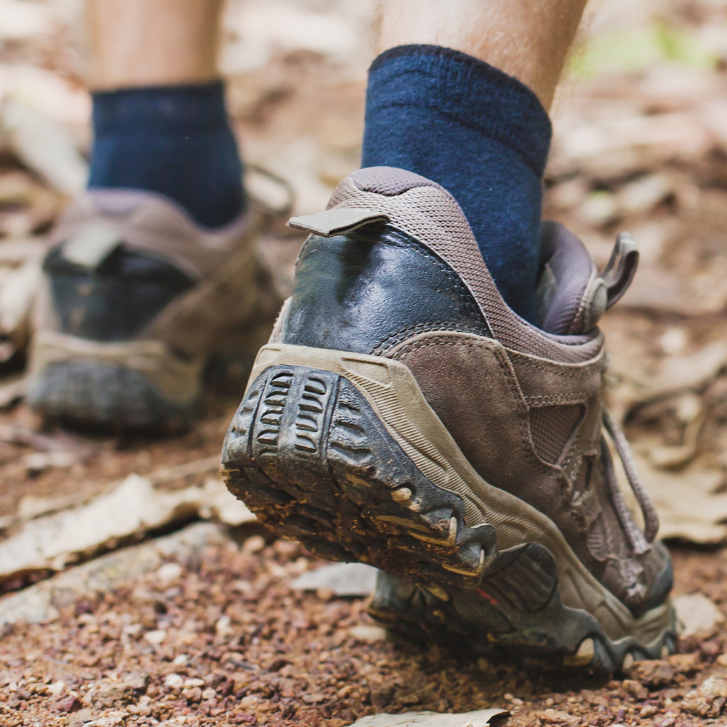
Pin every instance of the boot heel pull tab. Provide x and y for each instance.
(338, 221)
(92, 244)
(621, 268)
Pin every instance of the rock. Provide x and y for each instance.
(107, 694)
(713, 687)
(57, 688)
(250, 701)
(369, 634)
(343, 579)
(708, 700)
(223, 627)
(685, 663)
(81, 717)
(381, 695)
(192, 695)
(68, 704)
(136, 680)
(155, 637)
(169, 572)
(698, 615)
(110, 719)
(174, 681)
(480, 718)
(555, 716)
(42, 601)
(636, 689)
(652, 673)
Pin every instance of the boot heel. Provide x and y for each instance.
(307, 453)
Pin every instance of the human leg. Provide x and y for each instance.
(159, 114)
(527, 40)
(142, 268)
(153, 42)
(479, 77)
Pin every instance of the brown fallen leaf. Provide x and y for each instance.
(43, 600)
(128, 512)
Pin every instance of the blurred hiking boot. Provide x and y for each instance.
(403, 416)
(136, 296)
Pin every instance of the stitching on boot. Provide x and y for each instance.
(400, 336)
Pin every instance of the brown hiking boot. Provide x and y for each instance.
(403, 416)
(136, 297)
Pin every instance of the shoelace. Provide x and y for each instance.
(640, 542)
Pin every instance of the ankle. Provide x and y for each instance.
(173, 140)
(478, 132)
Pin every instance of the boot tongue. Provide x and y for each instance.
(571, 296)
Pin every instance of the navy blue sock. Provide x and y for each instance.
(174, 140)
(478, 132)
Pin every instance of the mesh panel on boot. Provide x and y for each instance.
(390, 181)
(551, 427)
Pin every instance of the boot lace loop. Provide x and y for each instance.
(640, 542)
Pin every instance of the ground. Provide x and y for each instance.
(220, 636)
(226, 641)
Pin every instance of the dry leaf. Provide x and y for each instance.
(129, 511)
(481, 718)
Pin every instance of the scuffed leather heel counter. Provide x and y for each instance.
(367, 291)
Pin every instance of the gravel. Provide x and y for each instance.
(221, 638)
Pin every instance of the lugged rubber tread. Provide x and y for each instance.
(113, 396)
(310, 458)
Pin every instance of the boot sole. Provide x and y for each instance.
(126, 385)
(342, 452)
(503, 621)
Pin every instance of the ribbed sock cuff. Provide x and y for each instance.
(466, 90)
(183, 109)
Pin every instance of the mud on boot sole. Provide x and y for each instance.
(342, 452)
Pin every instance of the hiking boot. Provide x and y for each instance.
(403, 416)
(135, 298)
